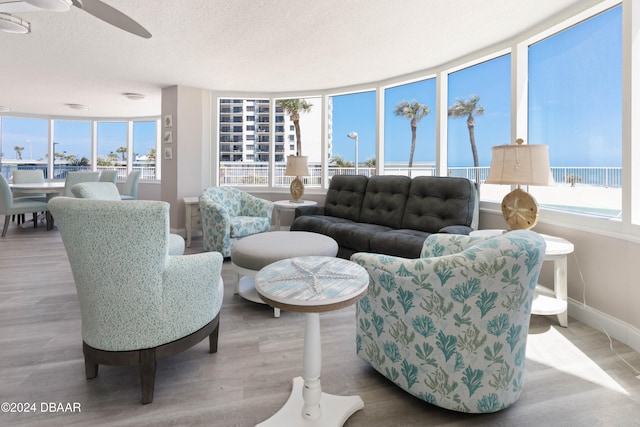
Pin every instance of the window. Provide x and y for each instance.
(145, 148)
(482, 92)
(575, 106)
(237, 167)
(354, 112)
(112, 144)
(23, 141)
(399, 133)
(71, 146)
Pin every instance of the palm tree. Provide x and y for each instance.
(293, 107)
(469, 109)
(415, 112)
(18, 152)
(122, 151)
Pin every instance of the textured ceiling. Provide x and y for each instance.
(272, 46)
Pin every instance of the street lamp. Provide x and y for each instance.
(354, 136)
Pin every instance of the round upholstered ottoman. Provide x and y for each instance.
(250, 254)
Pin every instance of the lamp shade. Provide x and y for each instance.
(297, 166)
(521, 164)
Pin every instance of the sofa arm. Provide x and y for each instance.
(192, 293)
(456, 229)
(309, 210)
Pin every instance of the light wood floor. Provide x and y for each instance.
(573, 378)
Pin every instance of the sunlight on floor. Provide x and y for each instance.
(551, 348)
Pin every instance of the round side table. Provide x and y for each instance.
(287, 205)
(548, 301)
(312, 285)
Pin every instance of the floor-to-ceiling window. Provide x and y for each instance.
(575, 106)
(410, 128)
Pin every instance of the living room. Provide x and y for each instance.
(601, 281)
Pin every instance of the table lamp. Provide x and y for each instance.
(520, 164)
(296, 166)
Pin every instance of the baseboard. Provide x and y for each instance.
(615, 328)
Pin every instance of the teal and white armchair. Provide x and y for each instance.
(138, 303)
(451, 327)
(229, 214)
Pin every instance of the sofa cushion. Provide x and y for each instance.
(385, 199)
(435, 202)
(402, 243)
(345, 195)
(354, 235)
(316, 223)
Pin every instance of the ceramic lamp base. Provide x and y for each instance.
(297, 190)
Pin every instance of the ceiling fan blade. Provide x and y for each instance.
(112, 16)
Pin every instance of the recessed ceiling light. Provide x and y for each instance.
(4, 109)
(52, 5)
(78, 107)
(134, 96)
(13, 24)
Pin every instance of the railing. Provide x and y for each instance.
(257, 174)
(61, 171)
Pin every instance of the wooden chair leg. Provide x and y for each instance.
(90, 368)
(35, 220)
(213, 340)
(147, 374)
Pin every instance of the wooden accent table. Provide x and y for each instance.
(312, 285)
(192, 217)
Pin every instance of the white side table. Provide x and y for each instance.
(192, 217)
(287, 205)
(549, 301)
(312, 285)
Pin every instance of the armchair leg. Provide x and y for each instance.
(90, 368)
(147, 374)
(35, 220)
(213, 340)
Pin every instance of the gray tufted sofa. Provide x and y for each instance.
(390, 215)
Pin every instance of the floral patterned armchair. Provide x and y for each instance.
(451, 327)
(229, 214)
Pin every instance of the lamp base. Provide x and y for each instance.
(296, 189)
(520, 210)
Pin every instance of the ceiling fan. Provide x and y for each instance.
(97, 8)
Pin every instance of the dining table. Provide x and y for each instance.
(49, 188)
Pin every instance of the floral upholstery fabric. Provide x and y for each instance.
(451, 327)
(133, 294)
(229, 214)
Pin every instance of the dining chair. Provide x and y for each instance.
(28, 176)
(109, 175)
(9, 207)
(74, 178)
(130, 190)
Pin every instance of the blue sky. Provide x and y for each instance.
(575, 106)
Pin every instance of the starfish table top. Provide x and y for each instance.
(312, 280)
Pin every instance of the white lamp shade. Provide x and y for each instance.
(297, 166)
(526, 164)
